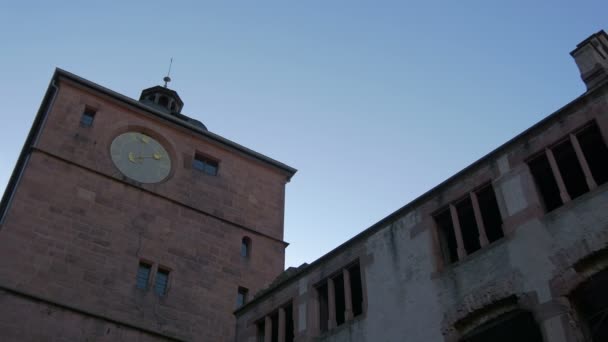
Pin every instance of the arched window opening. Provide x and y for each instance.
(246, 247)
(163, 101)
(517, 325)
(591, 303)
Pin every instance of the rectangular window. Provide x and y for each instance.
(86, 120)
(323, 307)
(274, 318)
(205, 164)
(356, 289)
(570, 169)
(595, 151)
(339, 298)
(289, 324)
(468, 225)
(447, 236)
(545, 182)
(490, 213)
(261, 328)
(143, 275)
(161, 282)
(241, 297)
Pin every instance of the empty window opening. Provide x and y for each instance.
(205, 164)
(468, 225)
(323, 307)
(595, 152)
(289, 325)
(570, 169)
(545, 182)
(513, 326)
(241, 297)
(161, 282)
(275, 327)
(340, 300)
(163, 101)
(261, 331)
(151, 98)
(245, 247)
(356, 289)
(591, 303)
(490, 213)
(172, 106)
(87, 118)
(143, 275)
(447, 237)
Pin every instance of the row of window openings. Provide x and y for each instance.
(469, 224)
(340, 299)
(161, 278)
(518, 325)
(564, 172)
(277, 326)
(571, 168)
(200, 162)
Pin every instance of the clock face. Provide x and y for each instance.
(140, 157)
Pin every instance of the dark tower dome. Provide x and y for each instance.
(162, 98)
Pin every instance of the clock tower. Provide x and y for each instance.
(127, 220)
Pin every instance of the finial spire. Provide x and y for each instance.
(167, 79)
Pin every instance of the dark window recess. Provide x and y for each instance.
(595, 152)
(356, 289)
(275, 327)
(143, 274)
(246, 247)
(513, 326)
(87, 118)
(261, 331)
(289, 325)
(163, 101)
(205, 164)
(447, 237)
(591, 302)
(162, 281)
(545, 181)
(570, 169)
(468, 225)
(323, 307)
(340, 301)
(241, 297)
(490, 213)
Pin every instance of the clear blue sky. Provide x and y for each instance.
(375, 102)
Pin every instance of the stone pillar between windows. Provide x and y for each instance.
(483, 238)
(348, 298)
(459, 242)
(583, 161)
(563, 192)
(267, 329)
(281, 324)
(331, 304)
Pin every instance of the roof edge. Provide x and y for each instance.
(290, 171)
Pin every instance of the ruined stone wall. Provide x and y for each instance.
(414, 294)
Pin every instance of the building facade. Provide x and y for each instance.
(127, 220)
(512, 248)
